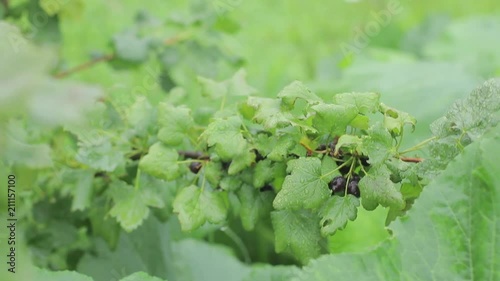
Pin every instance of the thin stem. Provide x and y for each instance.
(349, 175)
(400, 139)
(336, 169)
(361, 166)
(237, 240)
(418, 146)
(84, 66)
(168, 42)
(411, 159)
(137, 179)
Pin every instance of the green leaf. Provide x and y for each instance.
(141, 116)
(272, 273)
(234, 86)
(141, 276)
(81, 182)
(240, 162)
(174, 123)
(199, 261)
(297, 90)
(161, 162)
(377, 145)
(196, 206)
(460, 205)
(254, 205)
(213, 172)
(333, 119)
(379, 265)
(336, 212)
(226, 137)
(473, 115)
(269, 112)
(364, 102)
(152, 248)
(395, 120)
(99, 153)
(284, 144)
(466, 121)
(298, 232)
(129, 207)
(264, 172)
(377, 188)
(21, 153)
(304, 187)
(45, 275)
(350, 141)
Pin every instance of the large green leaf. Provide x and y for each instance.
(466, 121)
(298, 232)
(304, 187)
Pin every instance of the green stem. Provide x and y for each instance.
(361, 166)
(137, 179)
(417, 146)
(400, 140)
(349, 175)
(237, 240)
(336, 169)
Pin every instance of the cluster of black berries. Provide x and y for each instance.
(338, 185)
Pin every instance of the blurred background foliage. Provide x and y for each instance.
(429, 54)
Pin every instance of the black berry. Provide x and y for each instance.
(337, 184)
(356, 178)
(352, 188)
(195, 167)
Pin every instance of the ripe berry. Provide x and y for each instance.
(344, 170)
(195, 167)
(352, 188)
(355, 177)
(337, 184)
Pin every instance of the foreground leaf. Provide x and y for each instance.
(298, 232)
